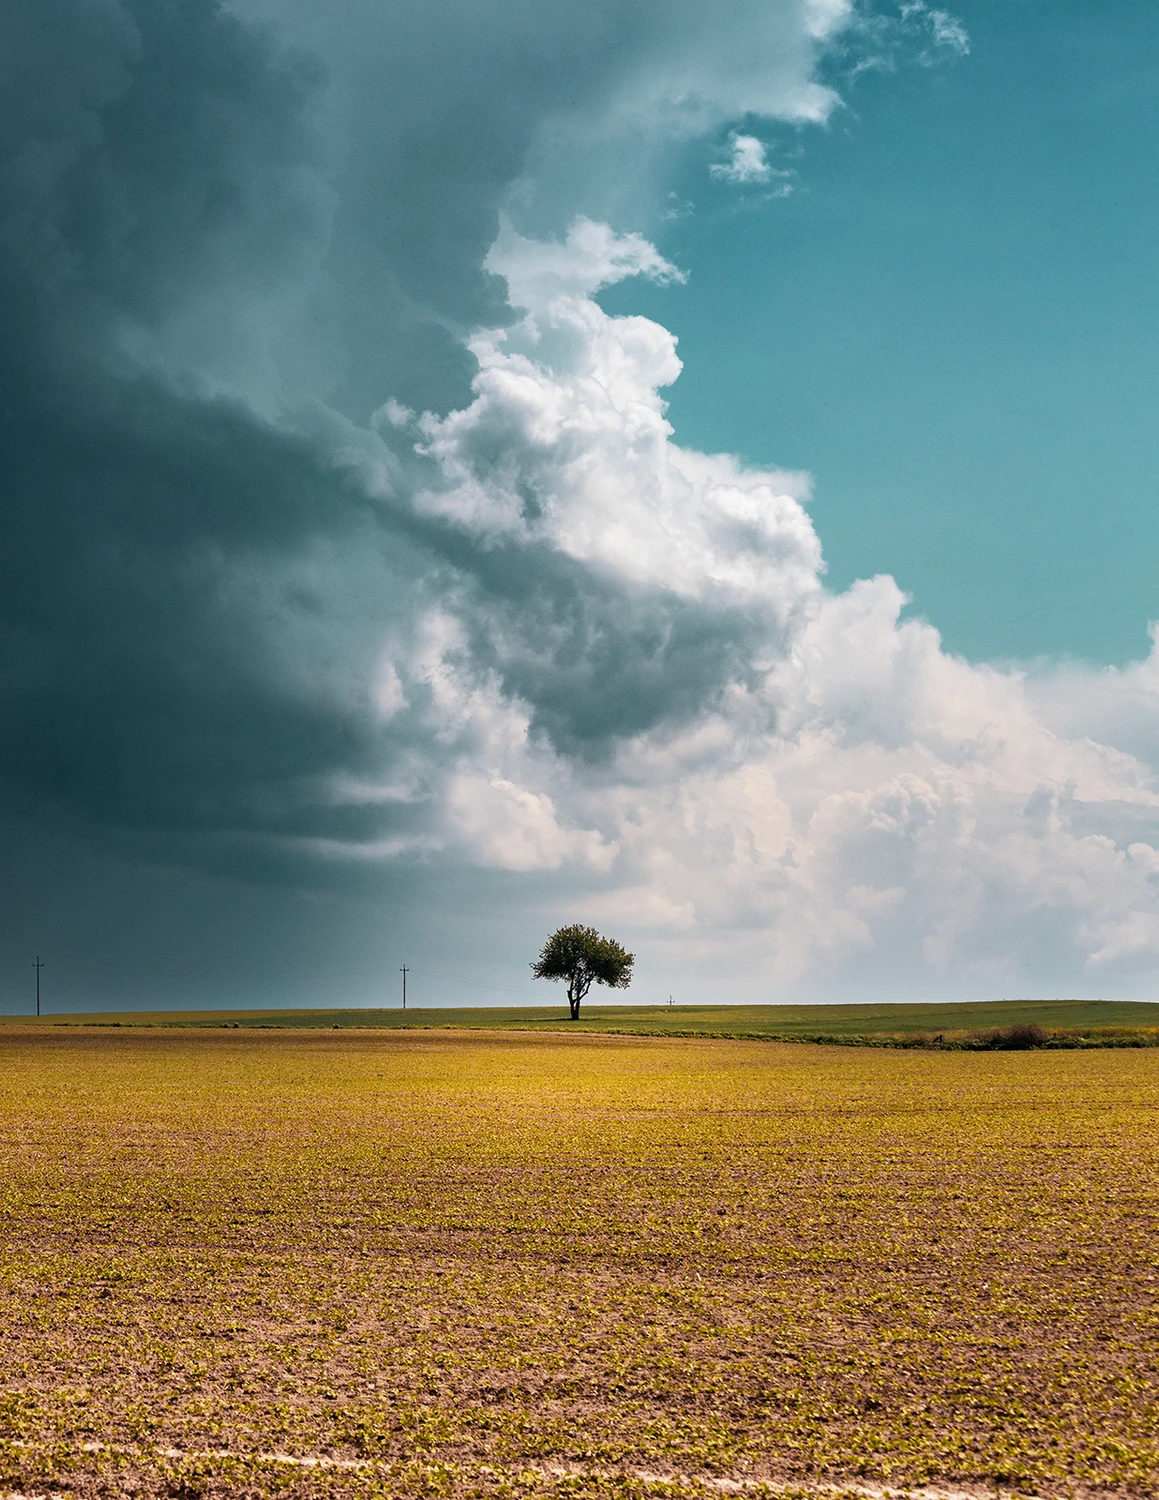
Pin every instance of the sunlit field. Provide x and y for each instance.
(238, 1262)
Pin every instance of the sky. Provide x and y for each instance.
(950, 322)
(472, 468)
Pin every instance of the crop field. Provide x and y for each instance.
(436, 1263)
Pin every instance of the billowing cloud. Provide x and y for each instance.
(350, 548)
(841, 796)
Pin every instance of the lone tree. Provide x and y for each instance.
(581, 956)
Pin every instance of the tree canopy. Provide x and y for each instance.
(583, 958)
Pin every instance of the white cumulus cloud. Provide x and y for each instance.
(843, 801)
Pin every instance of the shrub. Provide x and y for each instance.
(1016, 1038)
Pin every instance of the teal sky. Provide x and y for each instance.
(951, 322)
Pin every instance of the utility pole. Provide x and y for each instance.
(38, 966)
(404, 971)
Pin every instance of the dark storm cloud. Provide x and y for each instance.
(135, 686)
(595, 658)
(192, 595)
(431, 110)
(152, 154)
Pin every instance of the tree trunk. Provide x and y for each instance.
(573, 1002)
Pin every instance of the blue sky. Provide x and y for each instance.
(951, 321)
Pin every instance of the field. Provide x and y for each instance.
(1101, 1019)
(436, 1263)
